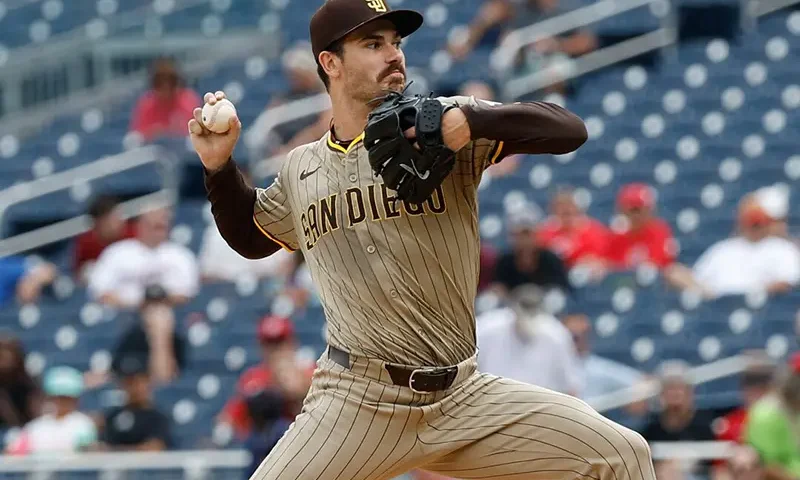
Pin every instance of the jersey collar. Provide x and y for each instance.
(336, 147)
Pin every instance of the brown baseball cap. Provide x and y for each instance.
(335, 19)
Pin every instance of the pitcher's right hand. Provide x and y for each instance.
(214, 149)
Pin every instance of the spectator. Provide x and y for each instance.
(127, 268)
(508, 15)
(300, 69)
(219, 262)
(138, 425)
(754, 382)
(573, 235)
(20, 396)
(280, 382)
(527, 262)
(642, 237)
(679, 420)
(62, 429)
(772, 425)
(24, 280)
(755, 260)
(602, 375)
(154, 338)
(774, 200)
(511, 340)
(108, 226)
(165, 109)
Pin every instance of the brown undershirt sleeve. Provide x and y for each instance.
(232, 204)
(530, 127)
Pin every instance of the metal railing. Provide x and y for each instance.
(121, 89)
(201, 464)
(39, 76)
(167, 161)
(647, 390)
(515, 42)
(195, 465)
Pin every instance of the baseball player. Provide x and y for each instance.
(384, 209)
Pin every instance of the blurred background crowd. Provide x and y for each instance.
(626, 274)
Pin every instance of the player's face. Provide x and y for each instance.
(373, 62)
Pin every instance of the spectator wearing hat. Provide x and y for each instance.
(774, 200)
(755, 260)
(571, 233)
(511, 340)
(62, 428)
(153, 336)
(639, 237)
(108, 226)
(772, 428)
(167, 106)
(279, 383)
(138, 425)
(528, 262)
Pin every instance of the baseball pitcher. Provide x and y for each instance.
(384, 209)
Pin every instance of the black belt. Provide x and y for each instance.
(421, 380)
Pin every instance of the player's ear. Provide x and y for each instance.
(331, 63)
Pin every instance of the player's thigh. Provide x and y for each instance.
(341, 436)
(507, 429)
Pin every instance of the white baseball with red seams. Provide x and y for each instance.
(217, 117)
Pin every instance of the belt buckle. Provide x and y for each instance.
(431, 372)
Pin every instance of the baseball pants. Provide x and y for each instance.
(357, 425)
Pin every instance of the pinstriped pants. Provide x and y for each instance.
(357, 425)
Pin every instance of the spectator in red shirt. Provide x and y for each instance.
(274, 389)
(108, 227)
(642, 237)
(167, 106)
(569, 232)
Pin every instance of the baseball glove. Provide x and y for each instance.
(414, 173)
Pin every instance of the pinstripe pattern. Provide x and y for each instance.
(398, 283)
(387, 293)
(355, 425)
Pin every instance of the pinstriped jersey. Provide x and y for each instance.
(397, 281)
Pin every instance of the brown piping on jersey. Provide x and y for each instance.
(232, 202)
(531, 127)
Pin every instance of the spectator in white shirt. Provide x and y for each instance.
(127, 268)
(755, 260)
(63, 429)
(219, 262)
(528, 344)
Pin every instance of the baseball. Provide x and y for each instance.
(217, 117)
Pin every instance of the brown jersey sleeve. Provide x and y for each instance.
(232, 204)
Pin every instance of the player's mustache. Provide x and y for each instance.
(392, 70)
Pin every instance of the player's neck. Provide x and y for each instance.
(349, 117)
